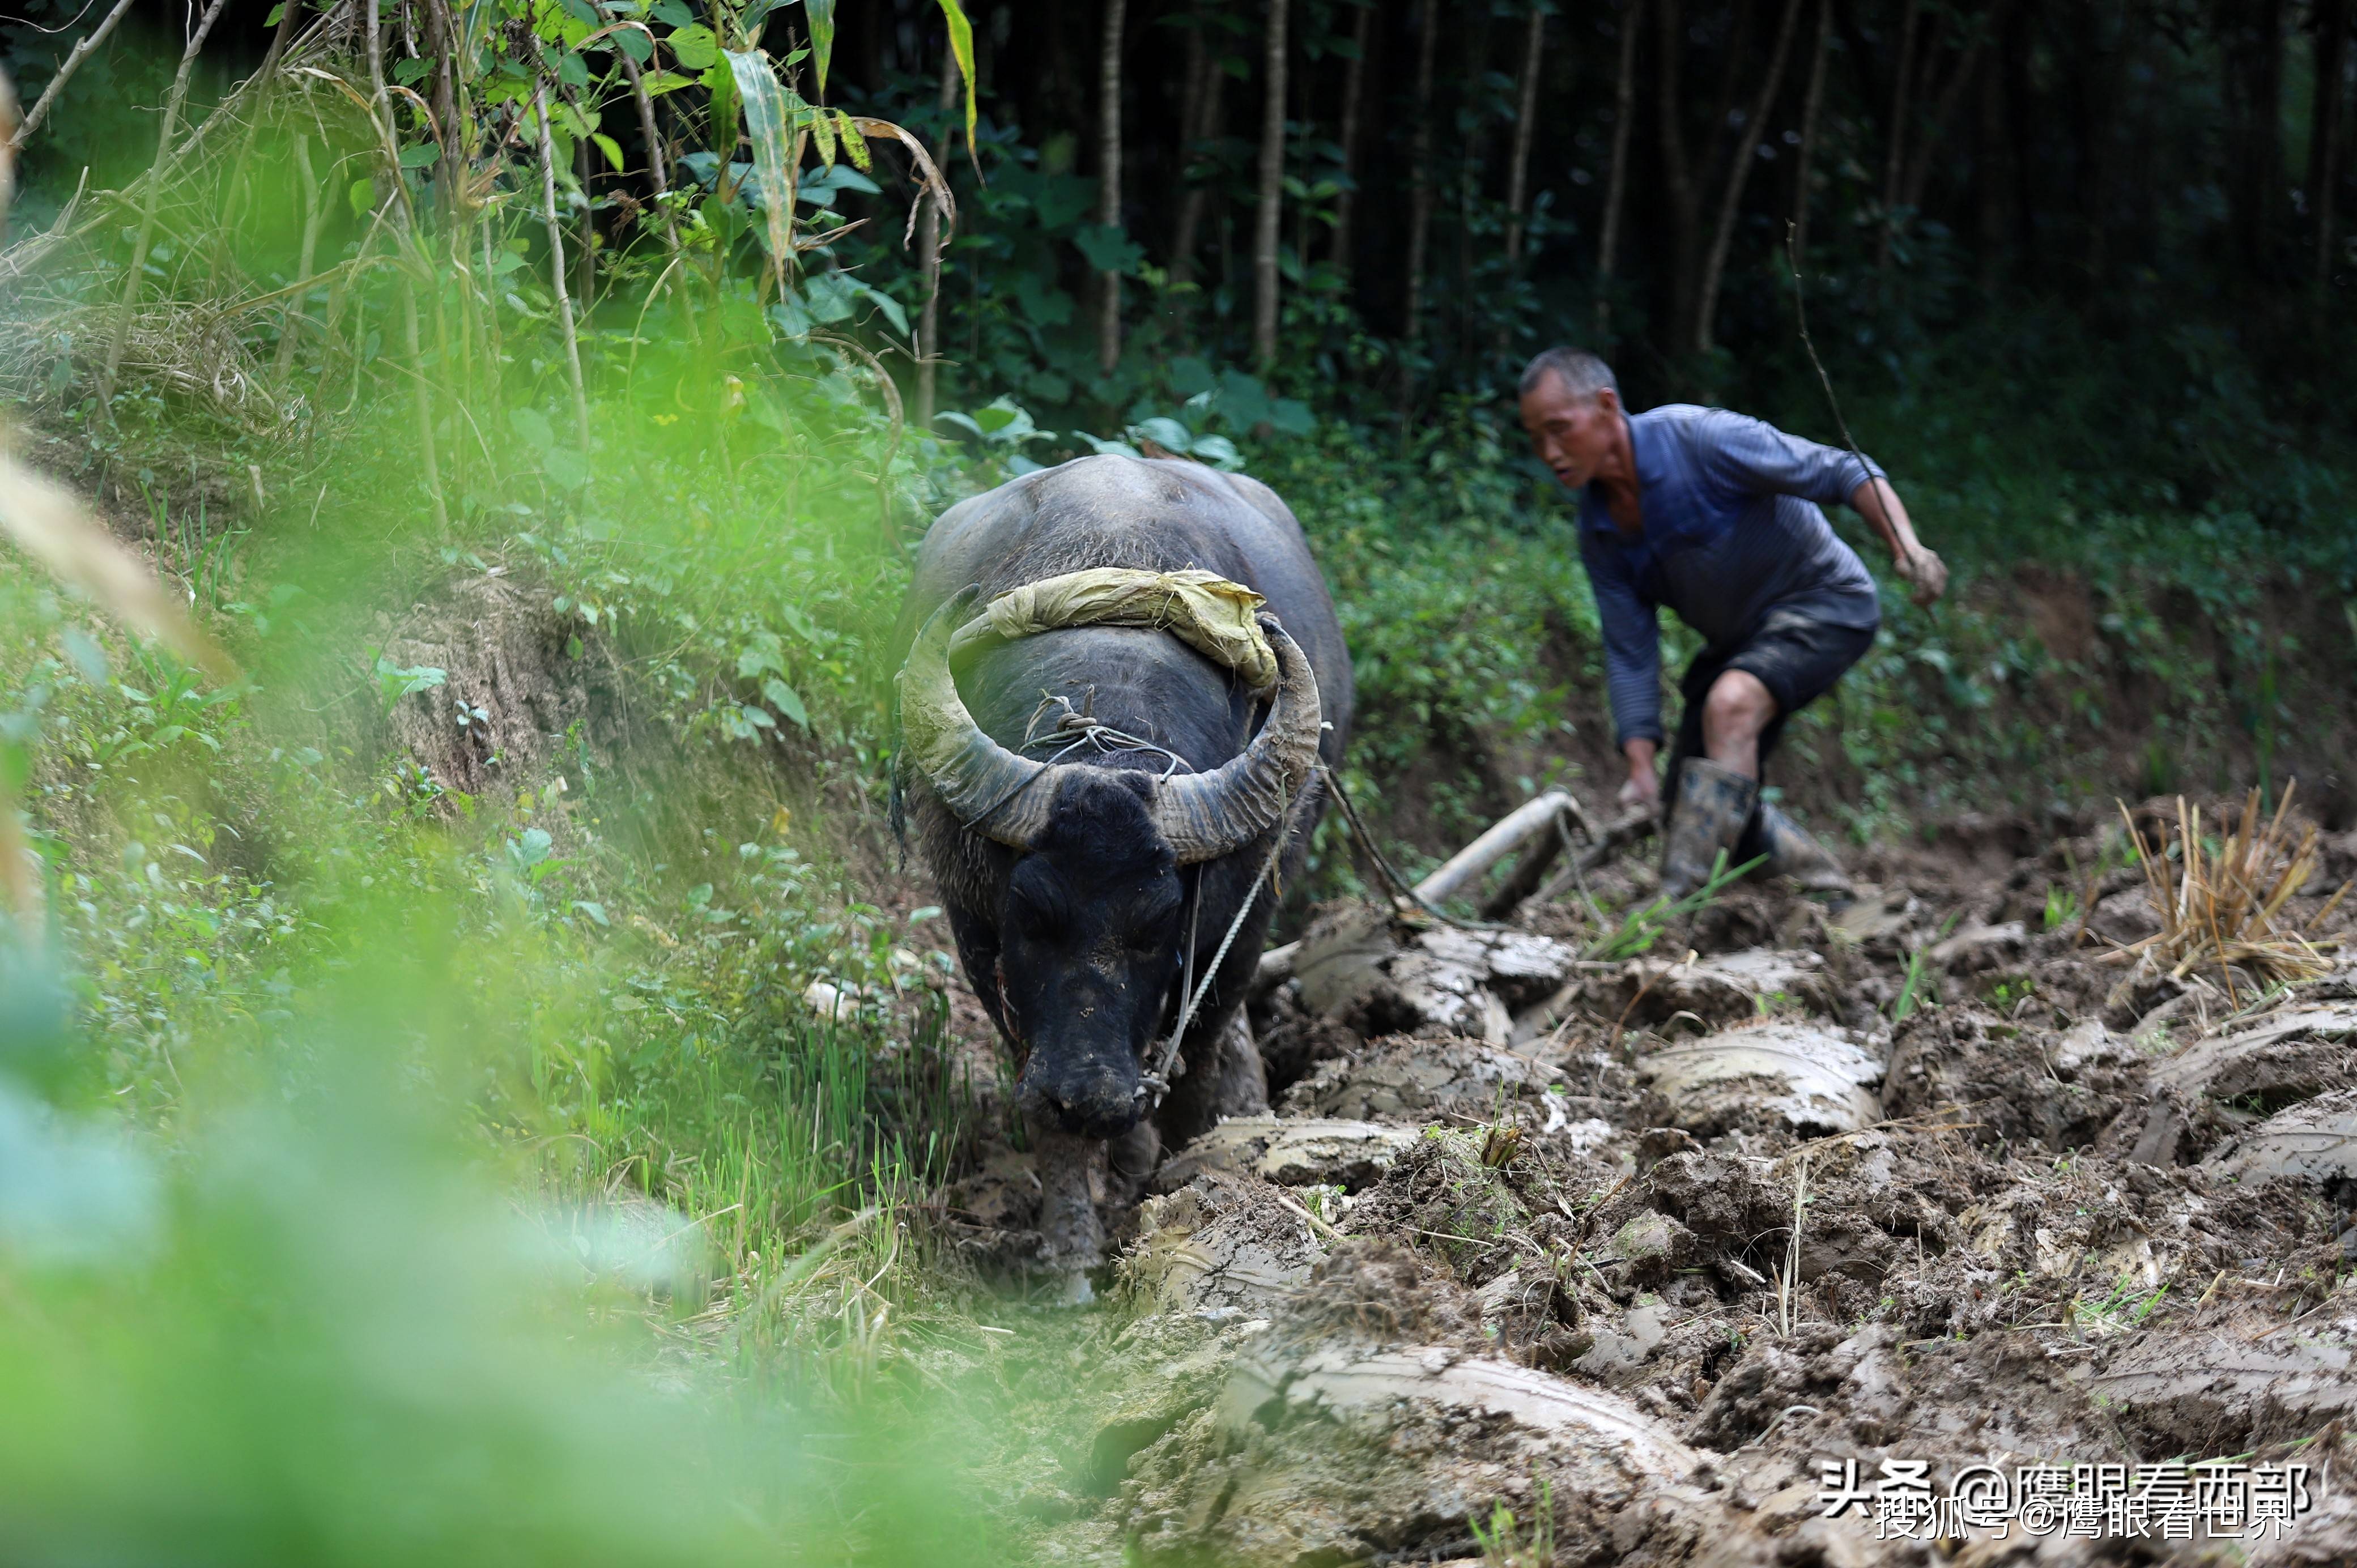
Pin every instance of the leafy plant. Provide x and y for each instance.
(1507, 1541)
(1641, 928)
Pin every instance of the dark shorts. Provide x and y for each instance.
(1796, 656)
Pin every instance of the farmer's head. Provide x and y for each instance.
(1571, 406)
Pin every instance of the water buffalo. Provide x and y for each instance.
(1071, 888)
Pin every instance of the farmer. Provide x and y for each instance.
(1714, 514)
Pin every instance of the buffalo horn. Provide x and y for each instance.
(983, 784)
(1206, 815)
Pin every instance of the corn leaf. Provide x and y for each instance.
(768, 123)
(962, 47)
(821, 36)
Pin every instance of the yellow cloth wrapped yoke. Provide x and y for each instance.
(1202, 610)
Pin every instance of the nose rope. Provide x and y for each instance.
(1086, 730)
(1157, 1081)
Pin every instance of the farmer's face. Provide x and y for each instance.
(1572, 434)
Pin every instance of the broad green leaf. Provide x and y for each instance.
(278, 13)
(962, 47)
(1108, 248)
(362, 196)
(1217, 451)
(672, 12)
(610, 148)
(658, 82)
(767, 117)
(633, 43)
(829, 296)
(786, 701)
(593, 911)
(788, 317)
(821, 36)
(1166, 432)
(694, 45)
(424, 155)
(885, 303)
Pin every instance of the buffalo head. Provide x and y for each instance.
(1091, 926)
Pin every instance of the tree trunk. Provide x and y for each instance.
(442, 45)
(1990, 146)
(1271, 208)
(1677, 173)
(2254, 38)
(929, 252)
(2324, 135)
(1354, 94)
(1901, 81)
(1739, 174)
(1943, 106)
(1518, 170)
(1109, 179)
(1419, 197)
(1197, 198)
(1616, 182)
(1811, 103)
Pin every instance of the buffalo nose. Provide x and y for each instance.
(1092, 1104)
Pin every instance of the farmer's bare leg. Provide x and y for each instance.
(1737, 710)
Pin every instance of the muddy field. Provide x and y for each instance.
(1633, 1249)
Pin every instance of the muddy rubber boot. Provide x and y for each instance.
(1713, 808)
(1793, 853)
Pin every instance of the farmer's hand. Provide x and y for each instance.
(1925, 570)
(1643, 790)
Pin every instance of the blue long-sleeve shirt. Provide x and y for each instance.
(1731, 530)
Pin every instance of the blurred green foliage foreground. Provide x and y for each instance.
(316, 1328)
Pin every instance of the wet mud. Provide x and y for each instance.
(1635, 1249)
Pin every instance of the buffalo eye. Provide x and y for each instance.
(1149, 931)
(1036, 902)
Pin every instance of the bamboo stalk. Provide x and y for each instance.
(1269, 210)
(1526, 105)
(1419, 205)
(1739, 174)
(1616, 183)
(1354, 94)
(1109, 180)
(1810, 102)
